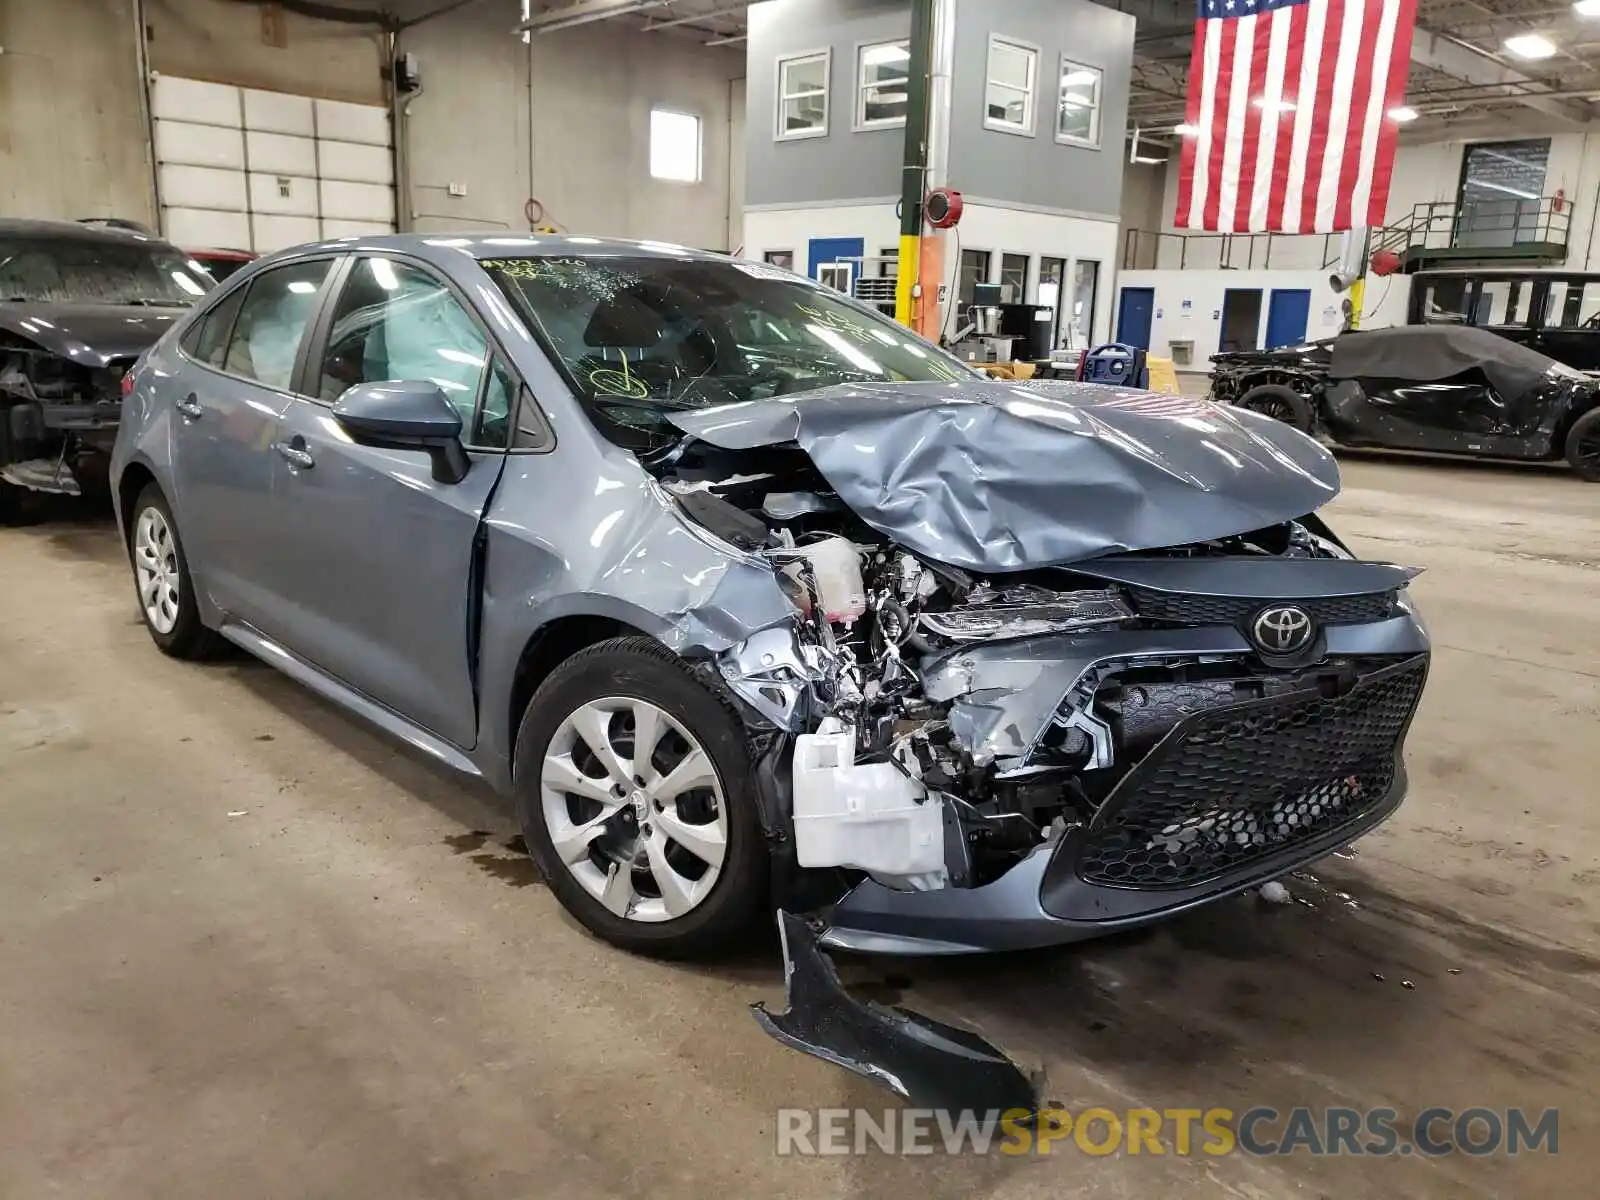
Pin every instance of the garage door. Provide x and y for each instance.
(254, 170)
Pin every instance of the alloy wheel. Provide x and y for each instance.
(634, 808)
(155, 562)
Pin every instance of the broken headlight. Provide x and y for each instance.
(1013, 617)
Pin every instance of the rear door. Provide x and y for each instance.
(234, 384)
(375, 560)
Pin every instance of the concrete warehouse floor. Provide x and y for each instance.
(252, 949)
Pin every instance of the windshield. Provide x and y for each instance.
(639, 336)
(66, 270)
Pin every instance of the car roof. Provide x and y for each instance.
(76, 231)
(441, 246)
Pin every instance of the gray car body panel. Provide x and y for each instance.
(993, 476)
(988, 476)
(575, 529)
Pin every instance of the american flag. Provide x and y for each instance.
(1287, 127)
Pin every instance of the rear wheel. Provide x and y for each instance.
(161, 579)
(1583, 446)
(631, 782)
(1280, 403)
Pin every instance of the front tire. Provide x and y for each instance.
(632, 780)
(1583, 446)
(1280, 403)
(162, 582)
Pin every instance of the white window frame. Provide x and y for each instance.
(699, 145)
(1069, 65)
(1030, 107)
(783, 97)
(828, 274)
(863, 87)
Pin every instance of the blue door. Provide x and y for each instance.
(1287, 312)
(832, 250)
(1135, 309)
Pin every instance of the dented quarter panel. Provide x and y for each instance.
(992, 476)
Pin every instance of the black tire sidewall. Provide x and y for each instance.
(641, 668)
(1298, 404)
(188, 637)
(1587, 424)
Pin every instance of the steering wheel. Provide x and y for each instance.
(1592, 323)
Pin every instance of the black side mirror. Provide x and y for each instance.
(406, 415)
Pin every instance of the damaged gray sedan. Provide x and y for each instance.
(755, 601)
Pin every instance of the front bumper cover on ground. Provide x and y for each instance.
(924, 1061)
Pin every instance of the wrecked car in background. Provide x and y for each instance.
(78, 304)
(754, 600)
(1445, 389)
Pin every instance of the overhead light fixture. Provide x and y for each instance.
(1186, 130)
(1530, 45)
(1404, 112)
(1587, 8)
(1274, 106)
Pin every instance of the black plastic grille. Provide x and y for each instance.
(1239, 783)
(1173, 608)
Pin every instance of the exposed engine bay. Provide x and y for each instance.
(898, 770)
(57, 416)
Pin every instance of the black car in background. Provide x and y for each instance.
(1449, 389)
(1554, 312)
(78, 304)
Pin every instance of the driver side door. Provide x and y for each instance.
(378, 561)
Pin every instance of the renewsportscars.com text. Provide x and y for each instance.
(1259, 1131)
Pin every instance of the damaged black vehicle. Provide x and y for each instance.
(1445, 389)
(78, 305)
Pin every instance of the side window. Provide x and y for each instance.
(272, 321)
(1503, 302)
(493, 425)
(207, 340)
(396, 321)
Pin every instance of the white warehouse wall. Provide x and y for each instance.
(73, 137)
(226, 42)
(565, 120)
(1200, 322)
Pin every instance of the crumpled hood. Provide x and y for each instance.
(994, 476)
(90, 334)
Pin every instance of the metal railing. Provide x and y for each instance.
(1150, 250)
(1494, 226)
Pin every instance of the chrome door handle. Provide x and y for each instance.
(295, 455)
(189, 406)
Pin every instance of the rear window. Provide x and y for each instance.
(68, 270)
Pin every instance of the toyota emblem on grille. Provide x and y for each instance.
(1283, 629)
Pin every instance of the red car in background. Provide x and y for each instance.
(221, 263)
